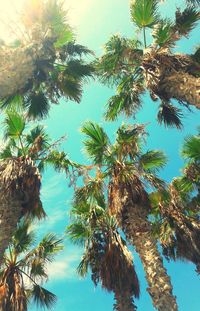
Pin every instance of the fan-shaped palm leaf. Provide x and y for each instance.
(144, 13)
(191, 148)
(97, 142)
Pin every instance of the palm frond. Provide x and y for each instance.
(127, 100)
(42, 297)
(97, 142)
(186, 20)
(169, 115)
(83, 266)
(144, 13)
(78, 233)
(193, 2)
(36, 213)
(37, 269)
(7, 150)
(120, 58)
(48, 247)
(154, 181)
(55, 17)
(38, 131)
(78, 69)
(37, 105)
(153, 160)
(183, 185)
(191, 148)
(14, 125)
(23, 237)
(13, 102)
(73, 49)
(70, 88)
(163, 33)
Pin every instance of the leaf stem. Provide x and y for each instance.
(144, 36)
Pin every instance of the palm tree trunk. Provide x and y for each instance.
(10, 213)
(181, 86)
(19, 191)
(18, 65)
(129, 202)
(124, 302)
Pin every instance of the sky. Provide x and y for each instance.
(94, 21)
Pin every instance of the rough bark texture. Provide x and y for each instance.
(124, 302)
(10, 213)
(129, 202)
(19, 191)
(183, 87)
(18, 65)
(169, 76)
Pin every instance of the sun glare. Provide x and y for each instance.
(10, 13)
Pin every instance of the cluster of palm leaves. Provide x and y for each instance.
(49, 62)
(25, 268)
(122, 199)
(134, 66)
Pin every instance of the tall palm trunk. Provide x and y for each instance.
(129, 202)
(18, 65)
(19, 191)
(124, 302)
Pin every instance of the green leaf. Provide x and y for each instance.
(120, 57)
(14, 125)
(83, 266)
(42, 297)
(37, 105)
(38, 132)
(183, 185)
(144, 13)
(97, 143)
(163, 33)
(186, 20)
(37, 269)
(48, 247)
(128, 99)
(64, 37)
(23, 237)
(78, 69)
(153, 160)
(71, 88)
(78, 233)
(14, 102)
(169, 115)
(191, 148)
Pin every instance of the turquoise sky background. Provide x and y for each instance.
(94, 22)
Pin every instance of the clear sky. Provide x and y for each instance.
(94, 22)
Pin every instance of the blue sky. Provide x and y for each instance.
(94, 22)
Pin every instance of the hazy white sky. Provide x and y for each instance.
(10, 9)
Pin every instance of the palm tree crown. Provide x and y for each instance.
(125, 170)
(105, 252)
(134, 67)
(176, 209)
(24, 268)
(46, 65)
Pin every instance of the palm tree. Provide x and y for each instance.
(24, 268)
(176, 210)
(191, 153)
(127, 169)
(21, 159)
(46, 64)
(105, 252)
(134, 67)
